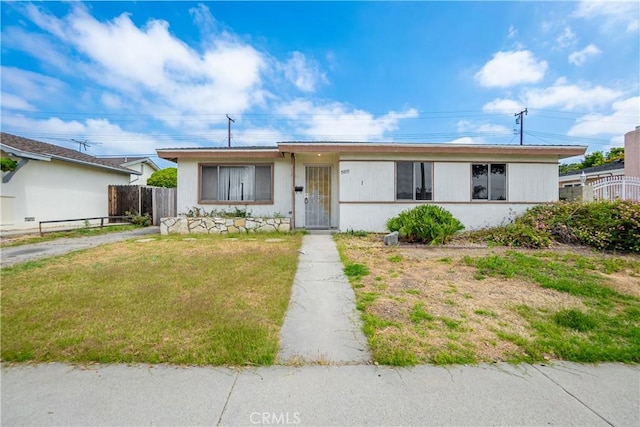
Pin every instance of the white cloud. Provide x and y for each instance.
(303, 72)
(567, 38)
(337, 122)
(489, 129)
(569, 96)
(511, 68)
(614, 14)
(580, 57)
(503, 106)
(106, 137)
(30, 86)
(126, 59)
(625, 116)
(513, 32)
(14, 102)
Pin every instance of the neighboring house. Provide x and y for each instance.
(53, 183)
(358, 186)
(592, 174)
(143, 165)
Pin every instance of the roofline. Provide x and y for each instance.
(561, 151)
(25, 154)
(48, 157)
(173, 154)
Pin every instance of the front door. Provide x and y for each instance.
(318, 197)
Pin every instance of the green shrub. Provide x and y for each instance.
(612, 225)
(519, 235)
(425, 224)
(138, 219)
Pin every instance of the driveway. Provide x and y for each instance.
(17, 254)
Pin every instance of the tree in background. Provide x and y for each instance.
(167, 178)
(8, 165)
(597, 158)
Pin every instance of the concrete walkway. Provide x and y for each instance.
(321, 324)
(16, 254)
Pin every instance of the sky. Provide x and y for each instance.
(130, 77)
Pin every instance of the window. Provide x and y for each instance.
(489, 181)
(235, 183)
(414, 181)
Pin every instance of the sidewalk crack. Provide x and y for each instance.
(574, 396)
(226, 402)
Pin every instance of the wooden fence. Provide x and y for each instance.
(158, 202)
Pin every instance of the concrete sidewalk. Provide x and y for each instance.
(322, 324)
(561, 394)
(16, 254)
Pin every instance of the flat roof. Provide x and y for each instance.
(561, 151)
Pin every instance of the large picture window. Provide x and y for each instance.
(235, 183)
(489, 181)
(414, 181)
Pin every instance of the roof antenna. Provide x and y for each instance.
(229, 130)
(83, 144)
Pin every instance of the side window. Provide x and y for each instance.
(489, 181)
(414, 181)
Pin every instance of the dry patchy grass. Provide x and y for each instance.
(425, 304)
(205, 300)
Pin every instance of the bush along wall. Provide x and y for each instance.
(429, 224)
(604, 225)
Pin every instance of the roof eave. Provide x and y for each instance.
(24, 154)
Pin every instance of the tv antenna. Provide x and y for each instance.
(84, 144)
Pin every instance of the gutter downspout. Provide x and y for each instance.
(293, 191)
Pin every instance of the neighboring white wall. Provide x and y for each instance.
(57, 190)
(187, 197)
(373, 217)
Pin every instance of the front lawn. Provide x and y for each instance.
(425, 304)
(185, 300)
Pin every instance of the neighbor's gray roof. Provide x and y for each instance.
(618, 164)
(30, 148)
(128, 160)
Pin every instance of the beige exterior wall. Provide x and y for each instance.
(632, 153)
(43, 191)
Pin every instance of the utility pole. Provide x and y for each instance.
(229, 129)
(520, 119)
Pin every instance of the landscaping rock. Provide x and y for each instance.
(391, 239)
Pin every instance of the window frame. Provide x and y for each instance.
(202, 201)
(413, 177)
(506, 182)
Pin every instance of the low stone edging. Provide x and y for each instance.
(213, 225)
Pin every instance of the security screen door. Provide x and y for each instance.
(318, 197)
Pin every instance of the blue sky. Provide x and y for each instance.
(130, 77)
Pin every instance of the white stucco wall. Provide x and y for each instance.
(55, 190)
(528, 184)
(373, 217)
(188, 187)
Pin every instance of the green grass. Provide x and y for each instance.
(609, 330)
(208, 301)
(79, 232)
